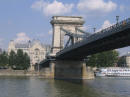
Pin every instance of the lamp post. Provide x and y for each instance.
(117, 19)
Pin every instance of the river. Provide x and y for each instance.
(38, 87)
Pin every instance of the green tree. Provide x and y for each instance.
(92, 60)
(12, 59)
(103, 59)
(22, 60)
(26, 61)
(4, 59)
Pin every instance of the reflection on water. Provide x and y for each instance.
(36, 87)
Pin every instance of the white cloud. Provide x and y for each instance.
(52, 8)
(106, 24)
(22, 37)
(37, 5)
(98, 6)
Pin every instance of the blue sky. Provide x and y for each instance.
(21, 20)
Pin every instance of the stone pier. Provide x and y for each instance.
(64, 69)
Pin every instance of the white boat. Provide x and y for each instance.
(113, 72)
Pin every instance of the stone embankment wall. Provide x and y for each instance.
(44, 74)
(6, 72)
(90, 72)
(48, 73)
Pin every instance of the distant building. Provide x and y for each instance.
(128, 59)
(124, 61)
(34, 49)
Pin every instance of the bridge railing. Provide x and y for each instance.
(117, 25)
(112, 28)
(104, 32)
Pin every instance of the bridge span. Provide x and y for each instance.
(114, 37)
(66, 62)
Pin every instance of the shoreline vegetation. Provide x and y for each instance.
(14, 60)
(17, 64)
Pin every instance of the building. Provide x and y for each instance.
(124, 61)
(36, 50)
(127, 56)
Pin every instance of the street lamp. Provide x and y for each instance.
(117, 19)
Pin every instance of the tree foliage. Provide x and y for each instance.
(12, 59)
(26, 61)
(22, 60)
(19, 60)
(3, 59)
(104, 59)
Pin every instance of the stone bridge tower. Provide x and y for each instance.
(70, 23)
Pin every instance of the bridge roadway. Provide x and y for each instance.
(116, 36)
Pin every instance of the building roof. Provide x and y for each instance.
(18, 45)
(30, 44)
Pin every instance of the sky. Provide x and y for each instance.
(23, 20)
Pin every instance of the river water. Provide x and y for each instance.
(37, 87)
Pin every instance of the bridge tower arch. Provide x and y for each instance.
(70, 23)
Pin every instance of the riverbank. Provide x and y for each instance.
(44, 73)
(8, 72)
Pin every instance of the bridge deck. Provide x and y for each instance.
(116, 36)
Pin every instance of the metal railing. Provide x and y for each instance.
(112, 28)
(104, 32)
(115, 26)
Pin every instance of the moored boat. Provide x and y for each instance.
(113, 72)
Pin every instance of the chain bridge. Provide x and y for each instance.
(66, 60)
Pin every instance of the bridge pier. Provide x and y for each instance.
(70, 69)
(52, 68)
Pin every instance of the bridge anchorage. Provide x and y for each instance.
(67, 61)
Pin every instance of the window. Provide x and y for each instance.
(37, 51)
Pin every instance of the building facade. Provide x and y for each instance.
(127, 56)
(34, 49)
(124, 61)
